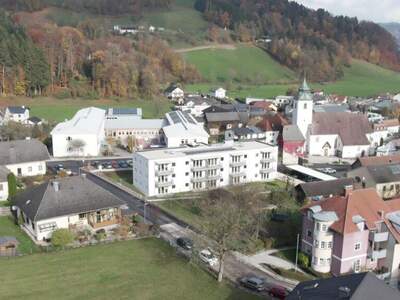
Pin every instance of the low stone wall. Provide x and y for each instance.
(5, 211)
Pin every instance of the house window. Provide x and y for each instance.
(82, 216)
(29, 169)
(329, 245)
(316, 243)
(309, 233)
(173, 186)
(186, 184)
(357, 265)
(357, 246)
(321, 261)
(187, 163)
(305, 105)
(317, 226)
(328, 261)
(173, 164)
(187, 174)
(40, 167)
(322, 245)
(323, 227)
(315, 260)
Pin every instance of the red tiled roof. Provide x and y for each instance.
(390, 123)
(266, 105)
(363, 202)
(274, 122)
(379, 160)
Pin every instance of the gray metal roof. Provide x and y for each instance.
(315, 208)
(361, 286)
(326, 216)
(222, 116)
(21, 151)
(292, 133)
(17, 109)
(325, 188)
(8, 239)
(76, 194)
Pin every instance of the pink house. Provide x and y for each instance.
(352, 233)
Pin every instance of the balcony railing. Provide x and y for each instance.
(378, 237)
(237, 163)
(377, 254)
(206, 178)
(267, 159)
(164, 183)
(206, 167)
(164, 172)
(267, 170)
(240, 174)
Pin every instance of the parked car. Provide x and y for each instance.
(278, 292)
(114, 164)
(95, 164)
(330, 171)
(107, 165)
(253, 283)
(208, 257)
(123, 165)
(130, 162)
(68, 172)
(184, 243)
(59, 167)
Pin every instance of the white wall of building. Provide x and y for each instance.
(167, 173)
(20, 118)
(316, 145)
(355, 151)
(62, 144)
(3, 191)
(33, 168)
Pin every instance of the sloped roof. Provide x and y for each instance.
(131, 122)
(274, 122)
(377, 160)
(359, 286)
(325, 188)
(4, 240)
(352, 128)
(390, 123)
(378, 174)
(292, 133)
(17, 109)
(222, 116)
(35, 120)
(87, 120)
(21, 151)
(76, 194)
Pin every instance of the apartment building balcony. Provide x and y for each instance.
(237, 163)
(239, 174)
(267, 170)
(377, 254)
(206, 178)
(267, 160)
(164, 183)
(378, 237)
(164, 172)
(206, 167)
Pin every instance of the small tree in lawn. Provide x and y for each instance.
(77, 145)
(304, 260)
(12, 185)
(61, 237)
(225, 222)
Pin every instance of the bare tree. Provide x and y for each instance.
(77, 145)
(226, 221)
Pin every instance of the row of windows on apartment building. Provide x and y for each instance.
(114, 133)
(164, 167)
(321, 261)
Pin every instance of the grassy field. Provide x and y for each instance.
(361, 79)
(243, 64)
(124, 178)
(8, 228)
(57, 110)
(141, 269)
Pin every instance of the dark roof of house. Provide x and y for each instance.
(4, 240)
(21, 151)
(35, 120)
(76, 194)
(274, 122)
(17, 109)
(198, 100)
(3, 173)
(222, 116)
(292, 133)
(361, 286)
(220, 108)
(325, 188)
(352, 128)
(376, 161)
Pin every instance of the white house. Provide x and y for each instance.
(68, 202)
(120, 29)
(220, 93)
(83, 135)
(183, 129)
(196, 105)
(24, 157)
(3, 183)
(173, 92)
(160, 172)
(19, 114)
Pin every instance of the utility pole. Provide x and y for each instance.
(297, 250)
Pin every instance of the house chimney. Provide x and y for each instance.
(381, 214)
(348, 189)
(56, 186)
(344, 292)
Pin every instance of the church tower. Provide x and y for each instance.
(303, 109)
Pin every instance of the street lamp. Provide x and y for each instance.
(144, 211)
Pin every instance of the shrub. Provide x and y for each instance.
(61, 237)
(63, 93)
(12, 185)
(304, 260)
(99, 236)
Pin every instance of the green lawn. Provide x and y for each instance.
(123, 177)
(289, 254)
(57, 110)
(8, 228)
(184, 210)
(243, 64)
(292, 274)
(141, 269)
(361, 79)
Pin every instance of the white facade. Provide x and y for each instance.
(169, 171)
(220, 93)
(303, 109)
(33, 168)
(83, 135)
(20, 117)
(194, 109)
(176, 93)
(3, 190)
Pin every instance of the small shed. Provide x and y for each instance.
(8, 246)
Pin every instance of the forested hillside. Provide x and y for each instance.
(304, 39)
(23, 66)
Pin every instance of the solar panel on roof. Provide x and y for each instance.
(395, 169)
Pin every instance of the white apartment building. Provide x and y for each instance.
(168, 171)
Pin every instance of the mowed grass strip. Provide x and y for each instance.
(141, 269)
(243, 64)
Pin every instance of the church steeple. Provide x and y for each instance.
(304, 87)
